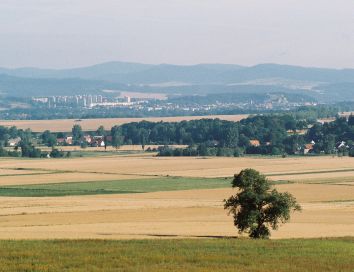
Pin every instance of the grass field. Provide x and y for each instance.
(114, 187)
(179, 255)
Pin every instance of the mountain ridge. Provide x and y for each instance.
(138, 73)
(199, 78)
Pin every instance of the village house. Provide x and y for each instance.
(14, 141)
(342, 146)
(69, 140)
(97, 141)
(88, 139)
(60, 141)
(101, 143)
(308, 148)
(255, 143)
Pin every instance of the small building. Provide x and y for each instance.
(14, 141)
(60, 141)
(96, 138)
(69, 140)
(88, 139)
(255, 143)
(308, 148)
(342, 146)
(98, 143)
(101, 143)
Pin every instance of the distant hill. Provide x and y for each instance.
(196, 74)
(98, 71)
(325, 84)
(27, 87)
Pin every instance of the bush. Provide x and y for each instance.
(55, 153)
(5, 153)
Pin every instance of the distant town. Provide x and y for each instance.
(86, 101)
(270, 101)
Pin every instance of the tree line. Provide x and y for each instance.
(273, 134)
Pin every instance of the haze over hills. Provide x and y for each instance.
(126, 72)
(323, 84)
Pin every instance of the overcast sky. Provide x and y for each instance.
(70, 33)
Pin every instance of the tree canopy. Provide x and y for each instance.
(257, 207)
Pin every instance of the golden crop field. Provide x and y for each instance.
(292, 168)
(323, 185)
(65, 125)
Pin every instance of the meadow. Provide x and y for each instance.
(179, 255)
(114, 187)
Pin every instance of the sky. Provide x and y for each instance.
(73, 33)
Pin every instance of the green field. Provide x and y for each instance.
(179, 255)
(114, 187)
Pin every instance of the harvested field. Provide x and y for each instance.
(297, 169)
(181, 214)
(18, 171)
(65, 125)
(323, 186)
(148, 165)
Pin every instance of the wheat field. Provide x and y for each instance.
(323, 185)
(65, 125)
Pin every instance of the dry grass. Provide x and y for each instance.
(65, 125)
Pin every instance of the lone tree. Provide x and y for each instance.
(256, 207)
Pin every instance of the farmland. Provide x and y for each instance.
(142, 196)
(65, 125)
(126, 209)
